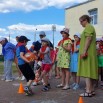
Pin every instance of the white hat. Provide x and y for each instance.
(45, 39)
(78, 35)
(2, 38)
(98, 39)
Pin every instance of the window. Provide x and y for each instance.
(94, 16)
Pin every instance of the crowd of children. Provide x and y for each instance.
(64, 59)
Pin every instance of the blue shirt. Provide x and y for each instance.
(9, 51)
(18, 50)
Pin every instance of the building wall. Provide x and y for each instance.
(72, 17)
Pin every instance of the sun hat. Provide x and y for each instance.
(42, 33)
(77, 34)
(66, 30)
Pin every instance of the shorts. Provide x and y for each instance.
(27, 71)
(100, 61)
(46, 67)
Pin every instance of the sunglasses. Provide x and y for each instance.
(82, 21)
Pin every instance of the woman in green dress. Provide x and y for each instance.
(63, 58)
(87, 63)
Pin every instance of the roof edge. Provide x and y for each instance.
(79, 4)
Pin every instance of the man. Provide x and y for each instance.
(8, 51)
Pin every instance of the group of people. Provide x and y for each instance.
(81, 57)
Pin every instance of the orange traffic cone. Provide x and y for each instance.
(80, 100)
(21, 89)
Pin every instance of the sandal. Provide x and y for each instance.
(59, 86)
(93, 92)
(86, 94)
(66, 88)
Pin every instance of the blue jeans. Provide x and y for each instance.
(8, 69)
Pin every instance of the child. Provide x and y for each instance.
(46, 63)
(20, 77)
(57, 69)
(74, 61)
(63, 58)
(100, 59)
(37, 73)
(23, 64)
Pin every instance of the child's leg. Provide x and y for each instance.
(77, 79)
(74, 77)
(45, 79)
(29, 75)
(102, 74)
(55, 66)
(58, 72)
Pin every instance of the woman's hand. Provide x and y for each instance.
(84, 55)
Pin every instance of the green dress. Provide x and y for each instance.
(63, 56)
(88, 67)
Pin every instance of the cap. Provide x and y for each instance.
(66, 30)
(2, 38)
(42, 33)
(22, 38)
(77, 34)
(45, 39)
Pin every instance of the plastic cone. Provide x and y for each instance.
(21, 89)
(80, 100)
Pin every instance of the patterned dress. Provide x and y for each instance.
(63, 56)
(88, 67)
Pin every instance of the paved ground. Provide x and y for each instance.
(8, 94)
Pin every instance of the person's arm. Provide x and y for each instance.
(23, 57)
(46, 51)
(67, 48)
(87, 43)
(22, 53)
(75, 47)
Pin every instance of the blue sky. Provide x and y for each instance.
(22, 17)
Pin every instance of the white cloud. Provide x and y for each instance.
(32, 28)
(30, 5)
(2, 30)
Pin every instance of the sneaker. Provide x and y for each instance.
(76, 87)
(71, 86)
(23, 78)
(45, 89)
(49, 87)
(8, 80)
(60, 86)
(34, 83)
(3, 79)
(28, 91)
(18, 78)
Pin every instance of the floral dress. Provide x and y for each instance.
(63, 57)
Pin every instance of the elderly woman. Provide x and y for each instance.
(87, 64)
(8, 51)
(63, 58)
